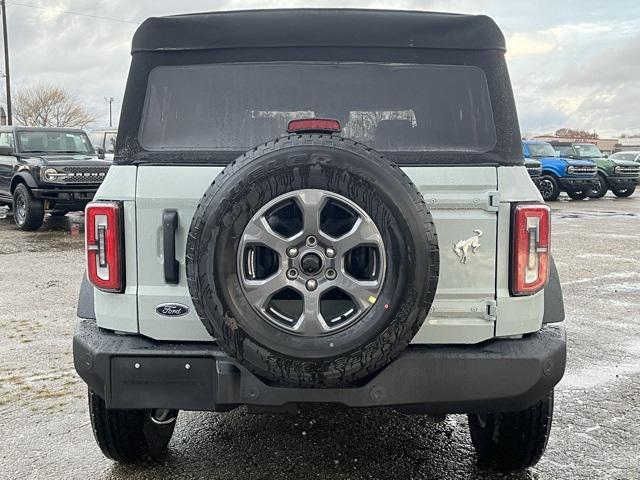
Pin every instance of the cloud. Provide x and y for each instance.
(569, 67)
(522, 45)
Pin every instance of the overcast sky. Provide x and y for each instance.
(573, 63)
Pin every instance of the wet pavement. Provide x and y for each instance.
(45, 431)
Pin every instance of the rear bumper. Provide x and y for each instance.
(501, 375)
(577, 184)
(621, 182)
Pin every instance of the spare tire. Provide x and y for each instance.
(312, 260)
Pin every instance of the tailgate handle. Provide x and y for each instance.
(169, 227)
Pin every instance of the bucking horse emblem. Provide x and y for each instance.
(462, 247)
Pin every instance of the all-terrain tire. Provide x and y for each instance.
(129, 436)
(549, 188)
(578, 194)
(512, 441)
(28, 212)
(340, 166)
(623, 192)
(600, 190)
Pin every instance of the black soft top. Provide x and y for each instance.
(317, 28)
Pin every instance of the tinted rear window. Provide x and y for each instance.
(392, 107)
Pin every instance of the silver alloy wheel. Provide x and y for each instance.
(312, 262)
(546, 188)
(20, 210)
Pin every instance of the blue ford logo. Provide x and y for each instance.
(172, 309)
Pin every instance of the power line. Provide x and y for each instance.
(67, 12)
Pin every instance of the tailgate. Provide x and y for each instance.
(462, 200)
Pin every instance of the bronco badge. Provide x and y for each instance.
(172, 309)
(462, 247)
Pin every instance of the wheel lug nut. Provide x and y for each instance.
(330, 273)
(292, 273)
(292, 252)
(312, 284)
(330, 252)
(311, 241)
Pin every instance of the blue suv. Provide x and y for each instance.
(576, 177)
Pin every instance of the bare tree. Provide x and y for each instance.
(49, 106)
(576, 133)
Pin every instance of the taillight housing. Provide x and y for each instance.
(530, 230)
(104, 245)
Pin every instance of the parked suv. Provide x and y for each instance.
(320, 206)
(534, 169)
(47, 169)
(620, 176)
(631, 156)
(576, 177)
(104, 141)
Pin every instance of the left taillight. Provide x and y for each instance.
(104, 245)
(530, 248)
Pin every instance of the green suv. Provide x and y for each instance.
(619, 176)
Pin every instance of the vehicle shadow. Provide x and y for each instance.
(329, 442)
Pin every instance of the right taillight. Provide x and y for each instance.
(530, 229)
(104, 245)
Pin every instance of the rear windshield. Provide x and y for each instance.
(391, 107)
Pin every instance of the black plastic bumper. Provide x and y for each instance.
(501, 375)
(621, 182)
(66, 197)
(577, 184)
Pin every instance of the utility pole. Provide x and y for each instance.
(6, 62)
(109, 100)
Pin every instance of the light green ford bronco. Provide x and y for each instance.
(320, 206)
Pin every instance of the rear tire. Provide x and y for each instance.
(578, 194)
(512, 441)
(131, 436)
(600, 190)
(28, 212)
(624, 192)
(549, 188)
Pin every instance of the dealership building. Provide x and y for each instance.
(605, 145)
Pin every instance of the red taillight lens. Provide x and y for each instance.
(530, 248)
(103, 239)
(314, 125)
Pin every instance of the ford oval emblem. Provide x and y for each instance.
(172, 309)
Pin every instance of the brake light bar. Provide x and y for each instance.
(104, 245)
(531, 231)
(314, 125)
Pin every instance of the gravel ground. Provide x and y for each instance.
(45, 431)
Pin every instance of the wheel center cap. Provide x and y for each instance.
(311, 263)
